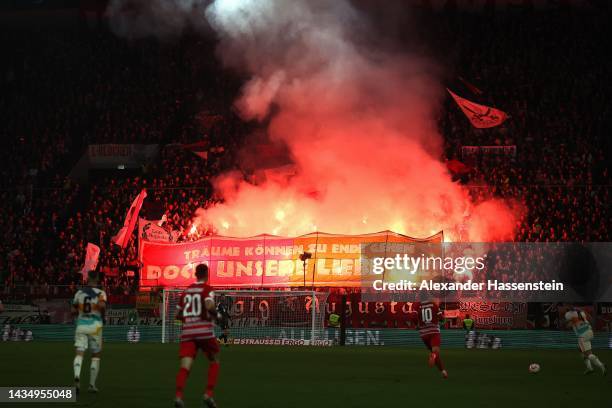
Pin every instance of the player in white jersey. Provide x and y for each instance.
(89, 306)
(579, 322)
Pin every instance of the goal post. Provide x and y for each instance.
(171, 327)
(164, 314)
(260, 316)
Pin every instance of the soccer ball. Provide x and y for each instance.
(534, 368)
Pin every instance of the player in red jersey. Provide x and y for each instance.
(196, 308)
(428, 319)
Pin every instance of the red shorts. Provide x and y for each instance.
(431, 340)
(190, 348)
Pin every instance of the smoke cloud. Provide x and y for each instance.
(358, 121)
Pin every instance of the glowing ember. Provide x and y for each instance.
(280, 215)
(193, 231)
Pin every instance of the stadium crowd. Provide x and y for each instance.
(68, 88)
(540, 68)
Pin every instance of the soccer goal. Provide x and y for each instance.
(260, 316)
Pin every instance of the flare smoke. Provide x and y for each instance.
(359, 123)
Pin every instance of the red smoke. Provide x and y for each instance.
(359, 124)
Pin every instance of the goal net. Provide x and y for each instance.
(260, 316)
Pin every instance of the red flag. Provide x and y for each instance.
(92, 253)
(481, 116)
(456, 167)
(199, 148)
(125, 233)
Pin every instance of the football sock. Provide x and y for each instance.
(213, 373)
(76, 364)
(181, 378)
(95, 368)
(595, 361)
(439, 363)
(432, 359)
(588, 364)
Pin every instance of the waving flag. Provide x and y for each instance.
(92, 253)
(200, 149)
(457, 167)
(125, 233)
(481, 116)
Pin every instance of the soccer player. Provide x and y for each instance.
(579, 322)
(89, 306)
(428, 320)
(196, 309)
(6, 332)
(223, 321)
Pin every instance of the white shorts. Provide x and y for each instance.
(584, 341)
(88, 337)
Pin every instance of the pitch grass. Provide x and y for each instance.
(142, 375)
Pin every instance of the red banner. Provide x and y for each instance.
(603, 321)
(489, 315)
(264, 260)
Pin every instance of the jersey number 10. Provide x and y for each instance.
(426, 315)
(193, 305)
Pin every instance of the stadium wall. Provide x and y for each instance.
(515, 339)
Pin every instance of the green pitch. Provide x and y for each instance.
(142, 375)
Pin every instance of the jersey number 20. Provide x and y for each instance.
(193, 305)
